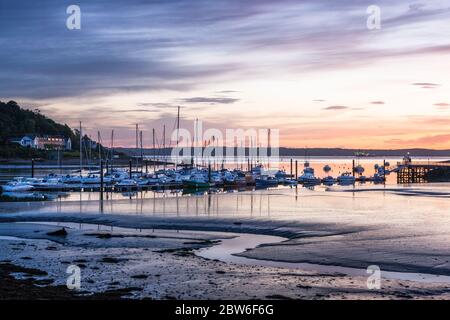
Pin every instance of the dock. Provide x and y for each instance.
(422, 172)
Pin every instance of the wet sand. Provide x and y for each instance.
(330, 231)
(161, 264)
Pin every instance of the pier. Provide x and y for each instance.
(420, 172)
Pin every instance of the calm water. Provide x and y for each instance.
(338, 166)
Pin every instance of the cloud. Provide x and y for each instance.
(210, 100)
(442, 105)
(137, 46)
(157, 105)
(426, 85)
(227, 91)
(438, 139)
(377, 102)
(336, 108)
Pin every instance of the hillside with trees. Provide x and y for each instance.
(18, 122)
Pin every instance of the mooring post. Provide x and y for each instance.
(296, 169)
(291, 169)
(32, 168)
(209, 172)
(353, 167)
(131, 168)
(101, 180)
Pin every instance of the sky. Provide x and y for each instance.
(312, 69)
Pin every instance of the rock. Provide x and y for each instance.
(58, 233)
(140, 276)
(111, 260)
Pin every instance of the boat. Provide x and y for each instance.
(308, 177)
(95, 179)
(257, 170)
(329, 181)
(346, 178)
(17, 186)
(50, 184)
(127, 183)
(266, 182)
(290, 182)
(359, 169)
(196, 181)
(281, 176)
(378, 178)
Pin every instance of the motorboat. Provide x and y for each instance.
(257, 170)
(346, 178)
(266, 182)
(378, 178)
(308, 177)
(17, 186)
(329, 181)
(197, 181)
(127, 183)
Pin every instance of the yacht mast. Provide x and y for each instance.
(154, 151)
(112, 148)
(142, 150)
(178, 136)
(164, 146)
(137, 147)
(99, 148)
(81, 150)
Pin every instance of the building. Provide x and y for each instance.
(45, 142)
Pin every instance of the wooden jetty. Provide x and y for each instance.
(421, 172)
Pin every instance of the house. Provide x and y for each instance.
(45, 142)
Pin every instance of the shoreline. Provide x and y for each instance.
(295, 234)
(145, 267)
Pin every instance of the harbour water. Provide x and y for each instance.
(402, 227)
(337, 165)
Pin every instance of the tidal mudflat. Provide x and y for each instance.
(308, 242)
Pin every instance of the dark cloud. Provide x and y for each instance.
(210, 100)
(377, 102)
(442, 105)
(336, 108)
(136, 45)
(157, 105)
(426, 85)
(227, 91)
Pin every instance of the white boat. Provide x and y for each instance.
(197, 180)
(329, 181)
(52, 183)
(257, 170)
(127, 183)
(378, 178)
(308, 177)
(346, 178)
(266, 181)
(95, 179)
(16, 186)
(72, 179)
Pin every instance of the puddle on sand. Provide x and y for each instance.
(225, 251)
(8, 238)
